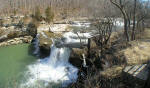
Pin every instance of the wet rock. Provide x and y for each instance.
(76, 57)
(44, 45)
(45, 42)
(44, 50)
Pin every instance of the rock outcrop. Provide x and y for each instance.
(45, 41)
(25, 39)
(14, 27)
(75, 57)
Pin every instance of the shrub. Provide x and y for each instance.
(13, 34)
(26, 20)
(14, 12)
(20, 24)
(1, 22)
(37, 15)
(32, 28)
(1, 31)
(49, 15)
(35, 23)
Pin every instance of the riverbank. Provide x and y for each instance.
(122, 55)
(16, 30)
(15, 41)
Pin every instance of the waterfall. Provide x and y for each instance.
(57, 54)
(74, 40)
(36, 45)
(54, 68)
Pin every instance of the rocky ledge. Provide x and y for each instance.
(45, 41)
(25, 39)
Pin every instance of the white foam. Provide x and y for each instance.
(55, 68)
(81, 24)
(71, 34)
(75, 37)
(119, 23)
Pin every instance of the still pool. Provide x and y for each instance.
(14, 60)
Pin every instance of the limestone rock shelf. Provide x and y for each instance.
(25, 39)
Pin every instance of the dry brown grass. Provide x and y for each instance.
(138, 53)
(114, 36)
(1, 32)
(27, 20)
(93, 44)
(112, 72)
(53, 35)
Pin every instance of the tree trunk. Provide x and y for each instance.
(134, 15)
(126, 29)
(124, 13)
(143, 26)
(89, 48)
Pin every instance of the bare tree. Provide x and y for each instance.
(121, 5)
(134, 20)
(142, 13)
(73, 7)
(104, 29)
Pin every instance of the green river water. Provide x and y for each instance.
(14, 60)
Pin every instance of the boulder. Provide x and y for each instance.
(44, 50)
(45, 41)
(76, 57)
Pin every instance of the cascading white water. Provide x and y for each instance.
(74, 40)
(55, 68)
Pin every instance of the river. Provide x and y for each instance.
(14, 60)
(20, 69)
